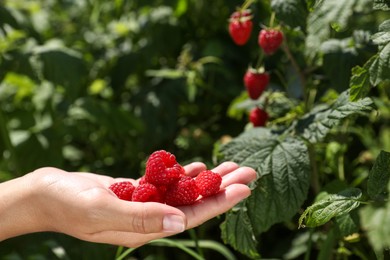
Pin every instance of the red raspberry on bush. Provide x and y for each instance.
(183, 192)
(270, 40)
(240, 26)
(147, 192)
(255, 82)
(123, 190)
(208, 183)
(162, 169)
(258, 117)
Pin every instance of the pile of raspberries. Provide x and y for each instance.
(165, 182)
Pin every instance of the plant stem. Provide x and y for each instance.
(311, 99)
(340, 161)
(340, 167)
(259, 60)
(194, 237)
(246, 4)
(177, 244)
(309, 243)
(272, 20)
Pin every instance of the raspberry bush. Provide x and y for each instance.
(333, 72)
(100, 85)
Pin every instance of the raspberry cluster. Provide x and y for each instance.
(165, 182)
(269, 39)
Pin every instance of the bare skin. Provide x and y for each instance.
(81, 205)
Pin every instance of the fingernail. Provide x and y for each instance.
(173, 223)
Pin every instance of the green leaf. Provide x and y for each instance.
(181, 7)
(283, 165)
(287, 11)
(105, 114)
(382, 37)
(315, 125)
(9, 16)
(360, 81)
(19, 85)
(327, 246)
(382, 5)
(97, 86)
(375, 221)
(379, 177)
(61, 66)
(299, 245)
(239, 106)
(326, 15)
(335, 205)
(251, 149)
(347, 224)
(339, 56)
(238, 232)
(380, 68)
(35, 150)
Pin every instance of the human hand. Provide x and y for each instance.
(82, 206)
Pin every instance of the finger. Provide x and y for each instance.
(194, 168)
(139, 217)
(225, 167)
(197, 214)
(213, 206)
(243, 175)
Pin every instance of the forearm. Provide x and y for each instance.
(18, 212)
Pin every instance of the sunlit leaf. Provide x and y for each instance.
(181, 7)
(317, 124)
(380, 67)
(335, 205)
(325, 14)
(97, 86)
(287, 11)
(360, 81)
(382, 5)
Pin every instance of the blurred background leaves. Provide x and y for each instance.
(98, 85)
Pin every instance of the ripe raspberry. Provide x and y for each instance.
(255, 82)
(208, 183)
(162, 169)
(270, 40)
(183, 192)
(123, 190)
(258, 116)
(146, 193)
(142, 180)
(240, 26)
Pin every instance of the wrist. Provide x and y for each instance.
(19, 212)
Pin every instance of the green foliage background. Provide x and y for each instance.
(98, 85)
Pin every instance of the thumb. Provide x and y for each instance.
(146, 217)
